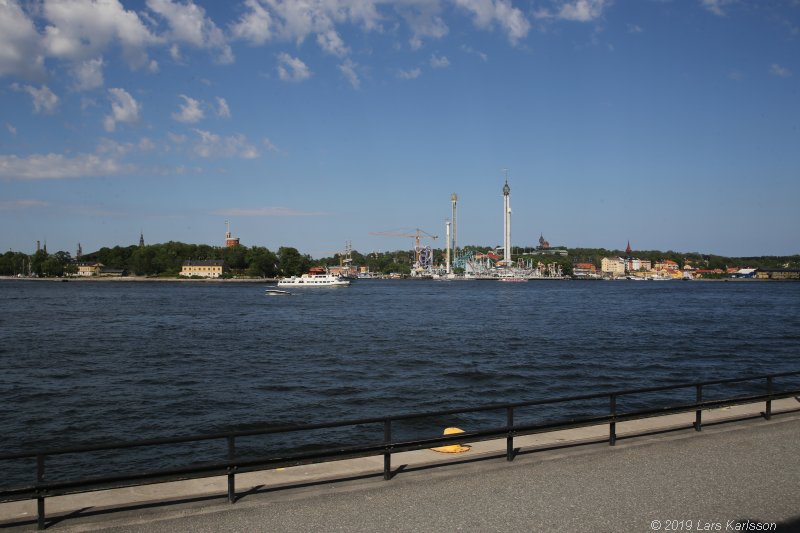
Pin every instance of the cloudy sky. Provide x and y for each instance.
(309, 123)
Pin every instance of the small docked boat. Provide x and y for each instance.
(316, 277)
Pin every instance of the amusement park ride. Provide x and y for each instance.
(476, 265)
(423, 257)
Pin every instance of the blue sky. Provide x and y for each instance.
(309, 123)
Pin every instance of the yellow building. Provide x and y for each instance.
(778, 273)
(207, 268)
(666, 264)
(89, 269)
(613, 265)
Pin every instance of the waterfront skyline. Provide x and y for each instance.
(308, 124)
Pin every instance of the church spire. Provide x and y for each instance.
(628, 249)
(141, 239)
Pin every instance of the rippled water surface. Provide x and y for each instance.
(83, 361)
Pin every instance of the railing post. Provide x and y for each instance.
(387, 457)
(39, 493)
(231, 469)
(698, 420)
(612, 427)
(768, 412)
(510, 437)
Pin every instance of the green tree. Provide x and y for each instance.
(291, 262)
(37, 262)
(14, 263)
(397, 268)
(235, 257)
(141, 261)
(261, 263)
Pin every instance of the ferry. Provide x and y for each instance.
(316, 277)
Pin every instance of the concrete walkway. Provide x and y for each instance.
(719, 478)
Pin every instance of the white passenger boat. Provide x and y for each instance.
(316, 277)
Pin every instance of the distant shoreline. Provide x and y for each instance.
(118, 279)
(144, 279)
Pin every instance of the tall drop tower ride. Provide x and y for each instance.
(454, 200)
(506, 224)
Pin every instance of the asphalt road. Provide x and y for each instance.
(685, 481)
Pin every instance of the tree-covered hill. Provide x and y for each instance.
(165, 259)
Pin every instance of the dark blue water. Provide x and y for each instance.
(108, 361)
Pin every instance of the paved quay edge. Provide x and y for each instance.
(176, 494)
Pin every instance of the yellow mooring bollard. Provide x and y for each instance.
(453, 448)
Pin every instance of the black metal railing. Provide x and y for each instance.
(764, 388)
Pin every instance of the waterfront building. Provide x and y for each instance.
(88, 269)
(207, 268)
(584, 271)
(666, 264)
(778, 273)
(614, 266)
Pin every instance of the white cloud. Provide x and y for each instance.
(113, 148)
(11, 129)
(255, 25)
(292, 68)
(716, 6)
(20, 49)
(501, 12)
(439, 61)
(331, 43)
(424, 20)
(269, 146)
(222, 108)
(295, 20)
(188, 24)
(777, 70)
(124, 108)
(88, 74)
(57, 166)
(81, 29)
(213, 145)
(635, 28)
(470, 50)
(410, 74)
(583, 10)
(176, 138)
(45, 101)
(121, 149)
(146, 144)
(265, 212)
(9, 205)
(348, 70)
(190, 112)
